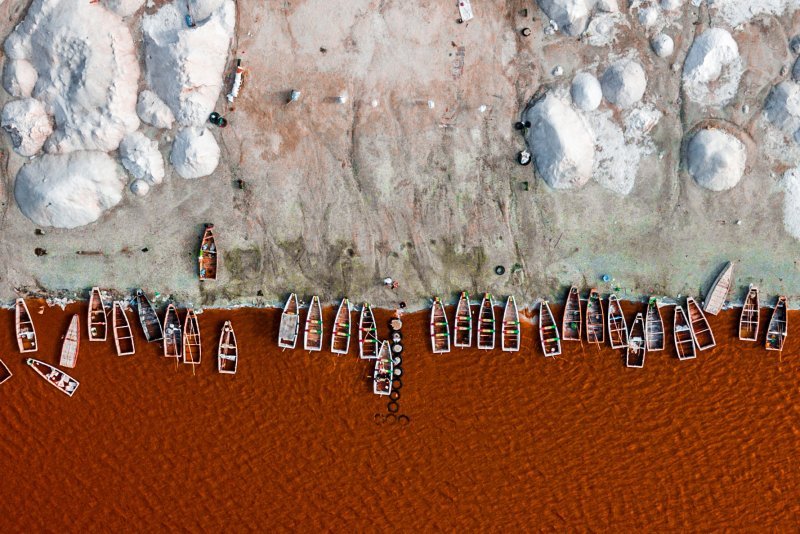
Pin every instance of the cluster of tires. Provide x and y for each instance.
(396, 344)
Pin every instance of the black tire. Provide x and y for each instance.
(379, 418)
(397, 337)
(392, 407)
(394, 395)
(398, 361)
(213, 118)
(460, 21)
(398, 371)
(395, 324)
(390, 418)
(403, 419)
(499, 270)
(397, 349)
(397, 384)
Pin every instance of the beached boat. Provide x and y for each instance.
(207, 259)
(54, 376)
(368, 343)
(312, 335)
(719, 290)
(383, 374)
(486, 329)
(548, 331)
(192, 349)
(228, 351)
(340, 338)
(71, 343)
(684, 339)
(26, 333)
(637, 348)
(778, 326)
(571, 322)
(750, 318)
(123, 335)
(701, 330)
(97, 320)
(148, 318)
(173, 333)
(462, 325)
(290, 323)
(5, 372)
(439, 327)
(617, 326)
(510, 329)
(595, 322)
(654, 327)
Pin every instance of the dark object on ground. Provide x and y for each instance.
(40, 251)
(145, 249)
(394, 395)
(526, 32)
(499, 270)
(259, 293)
(323, 49)
(402, 305)
(240, 183)
(460, 21)
(222, 123)
(524, 158)
(527, 124)
(214, 117)
(39, 231)
(526, 186)
(519, 125)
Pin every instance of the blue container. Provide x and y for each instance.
(605, 278)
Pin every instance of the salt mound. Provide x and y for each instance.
(671, 5)
(153, 110)
(716, 159)
(736, 12)
(202, 9)
(663, 45)
(124, 8)
(712, 68)
(586, 91)
(791, 201)
(28, 124)
(140, 157)
(563, 148)
(19, 77)
(648, 16)
(140, 188)
(185, 65)
(195, 152)
(68, 190)
(572, 16)
(624, 83)
(87, 69)
(782, 107)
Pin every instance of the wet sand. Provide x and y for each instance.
(494, 440)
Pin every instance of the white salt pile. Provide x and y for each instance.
(606, 6)
(663, 45)
(791, 201)
(586, 91)
(69, 190)
(648, 16)
(572, 16)
(140, 157)
(195, 152)
(716, 159)
(624, 83)
(671, 5)
(735, 12)
(712, 68)
(124, 8)
(562, 147)
(782, 107)
(19, 77)
(28, 124)
(153, 110)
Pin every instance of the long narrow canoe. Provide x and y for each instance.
(290, 324)
(148, 318)
(617, 326)
(778, 326)
(340, 337)
(571, 323)
(750, 318)
(228, 350)
(5, 372)
(368, 343)
(383, 374)
(97, 320)
(703, 336)
(173, 333)
(207, 258)
(510, 329)
(440, 328)
(55, 377)
(548, 331)
(654, 326)
(486, 322)
(71, 344)
(123, 335)
(637, 348)
(312, 335)
(192, 349)
(684, 339)
(595, 321)
(26, 333)
(719, 290)
(462, 325)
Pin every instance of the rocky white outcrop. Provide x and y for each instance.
(648, 16)
(153, 111)
(716, 159)
(141, 158)
(28, 125)
(624, 83)
(19, 77)
(663, 45)
(195, 152)
(572, 16)
(140, 188)
(671, 5)
(586, 91)
(124, 8)
(713, 68)
(782, 107)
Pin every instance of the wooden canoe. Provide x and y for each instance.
(97, 319)
(207, 258)
(312, 335)
(510, 329)
(684, 339)
(486, 322)
(462, 325)
(701, 330)
(5, 372)
(548, 331)
(654, 326)
(228, 350)
(617, 326)
(173, 333)
(778, 326)
(368, 343)
(148, 318)
(719, 290)
(571, 322)
(340, 337)
(54, 376)
(290, 323)
(383, 375)
(123, 335)
(26, 333)
(637, 348)
(71, 344)
(439, 328)
(750, 318)
(595, 321)
(192, 348)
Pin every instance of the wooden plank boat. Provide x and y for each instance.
(548, 331)
(340, 337)
(207, 259)
(750, 318)
(55, 377)
(383, 374)
(510, 328)
(778, 326)
(637, 348)
(595, 321)
(123, 335)
(701, 330)
(97, 320)
(617, 326)
(26, 333)
(486, 330)
(71, 344)
(368, 343)
(440, 328)
(312, 335)
(173, 333)
(290, 323)
(571, 322)
(192, 349)
(654, 326)
(719, 290)
(462, 325)
(5, 372)
(684, 338)
(228, 351)
(148, 318)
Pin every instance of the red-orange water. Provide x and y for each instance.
(495, 440)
